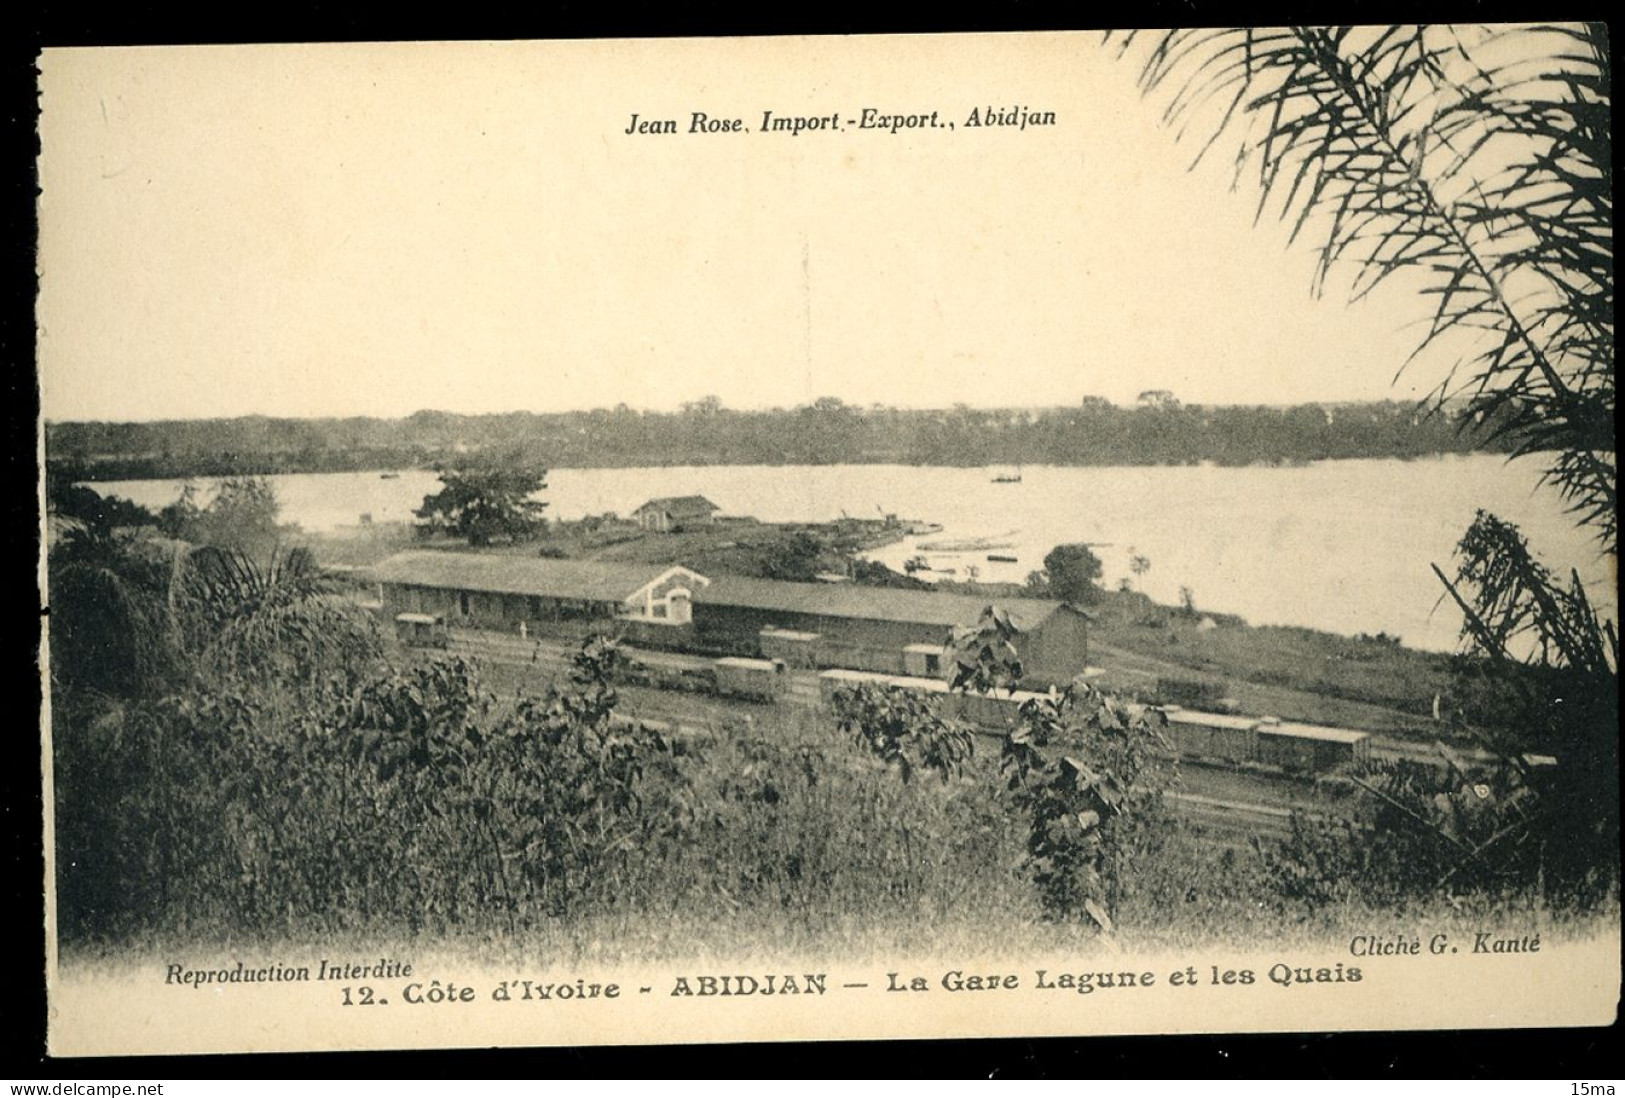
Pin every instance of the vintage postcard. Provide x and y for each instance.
(699, 540)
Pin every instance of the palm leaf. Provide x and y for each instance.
(1475, 160)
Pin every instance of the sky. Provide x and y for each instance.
(377, 229)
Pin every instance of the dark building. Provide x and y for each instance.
(888, 630)
(675, 513)
(807, 624)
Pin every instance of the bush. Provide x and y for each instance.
(1087, 776)
(412, 801)
(1428, 832)
(903, 730)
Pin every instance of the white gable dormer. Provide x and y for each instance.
(668, 599)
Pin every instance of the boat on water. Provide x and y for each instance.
(389, 476)
(1001, 558)
(1013, 477)
(969, 545)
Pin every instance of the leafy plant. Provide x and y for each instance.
(241, 515)
(280, 621)
(903, 730)
(1561, 698)
(110, 630)
(1139, 564)
(1086, 773)
(565, 785)
(1473, 164)
(65, 497)
(985, 655)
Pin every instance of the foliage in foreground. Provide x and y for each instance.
(1087, 775)
(414, 802)
(1474, 164)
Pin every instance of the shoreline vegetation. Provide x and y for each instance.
(1157, 430)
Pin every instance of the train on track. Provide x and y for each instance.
(1218, 739)
(1223, 739)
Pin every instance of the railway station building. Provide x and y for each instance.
(884, 630)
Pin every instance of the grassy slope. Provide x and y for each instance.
(1294, 673)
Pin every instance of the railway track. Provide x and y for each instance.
(1265, 811)
(1232, 819)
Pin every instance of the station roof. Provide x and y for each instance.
(869, 603)
(590, 580)
(601, 581)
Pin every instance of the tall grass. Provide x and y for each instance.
(413, 807)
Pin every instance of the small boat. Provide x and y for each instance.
(969, 545)
(1008, 478)
(389, 476)
(1001, 558)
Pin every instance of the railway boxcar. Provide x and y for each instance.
(927, 661)
(796, 649)
(989, 711)
(1215, 736)
(754, 680)
(841, 678)
(993, 711)
(982, 710)
(1292, 748)
(422, 630)
(1309, 749)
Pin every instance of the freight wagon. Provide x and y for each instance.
(1217, 737)
(753, 680)
(422, 630)
(1308, 748)
(1223, 738)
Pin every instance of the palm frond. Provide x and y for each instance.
(1475, 160)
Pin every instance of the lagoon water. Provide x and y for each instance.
(1337, 545)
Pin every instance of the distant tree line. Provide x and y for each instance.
(1156, 430)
